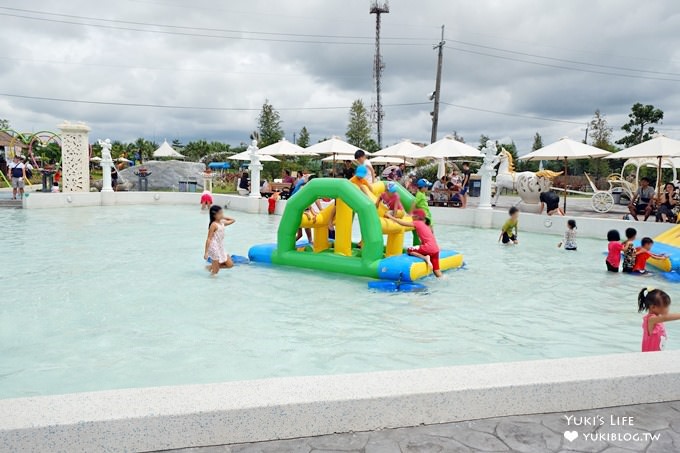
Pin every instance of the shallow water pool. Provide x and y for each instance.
(117, 297)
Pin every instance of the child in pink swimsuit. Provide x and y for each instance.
(214, 244)
(655, 302)
(428, 250)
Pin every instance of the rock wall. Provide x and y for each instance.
(164, 174)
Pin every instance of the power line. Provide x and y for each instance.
(182, 27)
(185, 107)
(592, 71)
(517, 115)
(620, 68)
(252, 109)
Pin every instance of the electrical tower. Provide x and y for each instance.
(378, 7)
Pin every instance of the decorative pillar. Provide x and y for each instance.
(208, 177)
(75, 159)
(487, 171)
(255, 169)
(106, 164)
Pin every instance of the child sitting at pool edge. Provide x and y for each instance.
(509, 229)
(656, 303)
(214, 244)
(428, 250)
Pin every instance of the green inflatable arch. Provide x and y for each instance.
(364, 262)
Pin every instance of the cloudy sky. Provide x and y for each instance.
(530, 59)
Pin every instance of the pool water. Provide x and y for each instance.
(107, 298)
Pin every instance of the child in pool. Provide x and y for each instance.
(206, 200)
(428, 250)
(569, 241)
(391, 199)
(614, 248)
(509, 230)
(629, 250)
(214, 244)
(655, 302)
(421, 200)
(642, 254)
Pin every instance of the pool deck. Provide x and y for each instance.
(657, 427)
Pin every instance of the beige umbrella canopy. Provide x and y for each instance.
(245, 155)
(334, 146)
(658, 148)
(382, 160)
(565, 149)
(404, 149)
(447, 148)
(285, 148)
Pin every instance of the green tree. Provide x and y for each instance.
(269, 125)
(4, 124)
(145, 148)
(482, 141)
(600, 133)
(640, 125)
(359, 126)
(177, 144)
(303, 138)
(538, 142)
(195, 150)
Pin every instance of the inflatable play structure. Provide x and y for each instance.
(668, 243)
(375, 258)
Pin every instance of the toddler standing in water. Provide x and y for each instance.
(629, 253)
(613, 260)
(655, 302)
(569, 241)
(214, 244)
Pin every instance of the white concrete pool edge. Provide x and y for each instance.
(200, 415)
(484, 218)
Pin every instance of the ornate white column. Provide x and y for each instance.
(75, 161)
(487, 171)
(255, 169)
(106, 164)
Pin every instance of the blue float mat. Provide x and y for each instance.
(388, 286)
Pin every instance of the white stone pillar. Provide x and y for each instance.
(75, 159)
(255, 169)
(107, 165)
(485, 190)
(487, 171)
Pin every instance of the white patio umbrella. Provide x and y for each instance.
(657, 148)
(96, 159)
(285, 148)
(335, 157)
(405, 149)
(565, 149)
(245, 155)
(447, 147)
(382, 160)
(334, 146)
(123, 160)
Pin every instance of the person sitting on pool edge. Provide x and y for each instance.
(550, 200)
(509, 230)
(643, 201)
(428, 250)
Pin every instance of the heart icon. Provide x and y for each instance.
(570, 435)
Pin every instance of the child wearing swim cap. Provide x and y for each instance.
(421, 201)
(391, 199)
(359, 179)
(428, 250)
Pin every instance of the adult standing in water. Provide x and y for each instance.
(550, 201)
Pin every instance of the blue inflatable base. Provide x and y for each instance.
(393, 287)
(237, 259)
(671, 276)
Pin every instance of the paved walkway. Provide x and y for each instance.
(648, 428)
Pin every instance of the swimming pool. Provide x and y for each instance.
(117, 297)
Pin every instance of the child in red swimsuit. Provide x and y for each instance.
(428, 250)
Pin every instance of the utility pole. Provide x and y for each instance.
(378, 7)
(438, 87)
